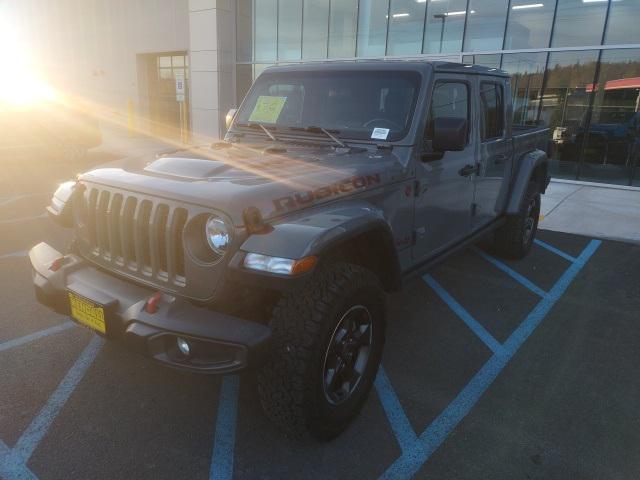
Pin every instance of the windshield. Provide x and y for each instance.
(367, 105)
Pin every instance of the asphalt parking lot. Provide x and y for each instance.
(492, 369)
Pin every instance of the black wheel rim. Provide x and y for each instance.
(347, 355)
(530, 222)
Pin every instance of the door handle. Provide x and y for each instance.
(499, 159)
(467, 170)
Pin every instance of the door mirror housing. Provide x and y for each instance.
(449, 134)
(231, 114)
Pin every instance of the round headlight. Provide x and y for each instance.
(218, 236)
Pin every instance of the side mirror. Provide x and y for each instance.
(230, 116)
(449, 134)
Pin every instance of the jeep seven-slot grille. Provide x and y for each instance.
(141, 236)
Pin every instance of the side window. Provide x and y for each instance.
(449, 100)
(491, 111)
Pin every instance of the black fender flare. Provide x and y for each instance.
(532, 166)
(328, 232)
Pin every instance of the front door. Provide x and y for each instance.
(445, 192)
(494, 154)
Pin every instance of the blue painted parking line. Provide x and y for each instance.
(225, 433)
(13, 462)
(466, 317)
(555, 250)
(16, 342)
(436, 433)
(29, 440)
(405, 435)
(525, 282)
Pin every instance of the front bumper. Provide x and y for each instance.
(221, 343)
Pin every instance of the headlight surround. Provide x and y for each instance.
(218, 235)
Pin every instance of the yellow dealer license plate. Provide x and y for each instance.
(87, 313)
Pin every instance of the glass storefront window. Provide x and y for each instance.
(266, 30)
(579, 23)
(244, 31)
(244, 79)
(405, 27)
(487, 60)
(314, 33)
(565, 103)
(622, 26)
(485, 25)
(289, 29)
(444, 26)
(372, 27)
(529, 24)
(342, 28)
(527, 72)
(611, 145)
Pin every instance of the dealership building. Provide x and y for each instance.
(575, 64)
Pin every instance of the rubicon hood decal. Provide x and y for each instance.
(301, 199)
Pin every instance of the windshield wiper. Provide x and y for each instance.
(314, 129)
(259, 125)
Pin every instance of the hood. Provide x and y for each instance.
(275, 179)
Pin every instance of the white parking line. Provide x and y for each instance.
(23, 219)
(14, 198)
(22, 253)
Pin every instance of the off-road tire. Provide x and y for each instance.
(511, 239)
(292, 384)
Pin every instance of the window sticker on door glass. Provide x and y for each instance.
(267, 109)
(380, 133)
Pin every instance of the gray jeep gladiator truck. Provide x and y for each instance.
(273, 249)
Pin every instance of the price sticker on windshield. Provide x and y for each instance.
(267, 109)
(380, 133)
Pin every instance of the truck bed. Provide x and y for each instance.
(527, 138)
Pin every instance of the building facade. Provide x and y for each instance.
(575, 63)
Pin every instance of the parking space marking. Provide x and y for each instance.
(525, 282)
(23, 219)
(553, 249)
(7, 200)
(11, 467)
(436, 433)
(22, 253)
(225, 432)
(466, 317)
(404, 433)
(37, 429)
(16, 342)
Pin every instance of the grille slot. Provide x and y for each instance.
(139, 236)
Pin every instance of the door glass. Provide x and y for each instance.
(529, 24)
(527, 72)
(342, 28)
(491, 111)
(444, 26)
(612, 142)
(372, 27)
(565, 102)
(485, 25)
(314, 33)
(579, 23)
(289, 30)
(405, 27)
(449, 100)
(622, 26)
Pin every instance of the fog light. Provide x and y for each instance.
(183, 346)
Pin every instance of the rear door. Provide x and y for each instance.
(495, 151)
(445, 180)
